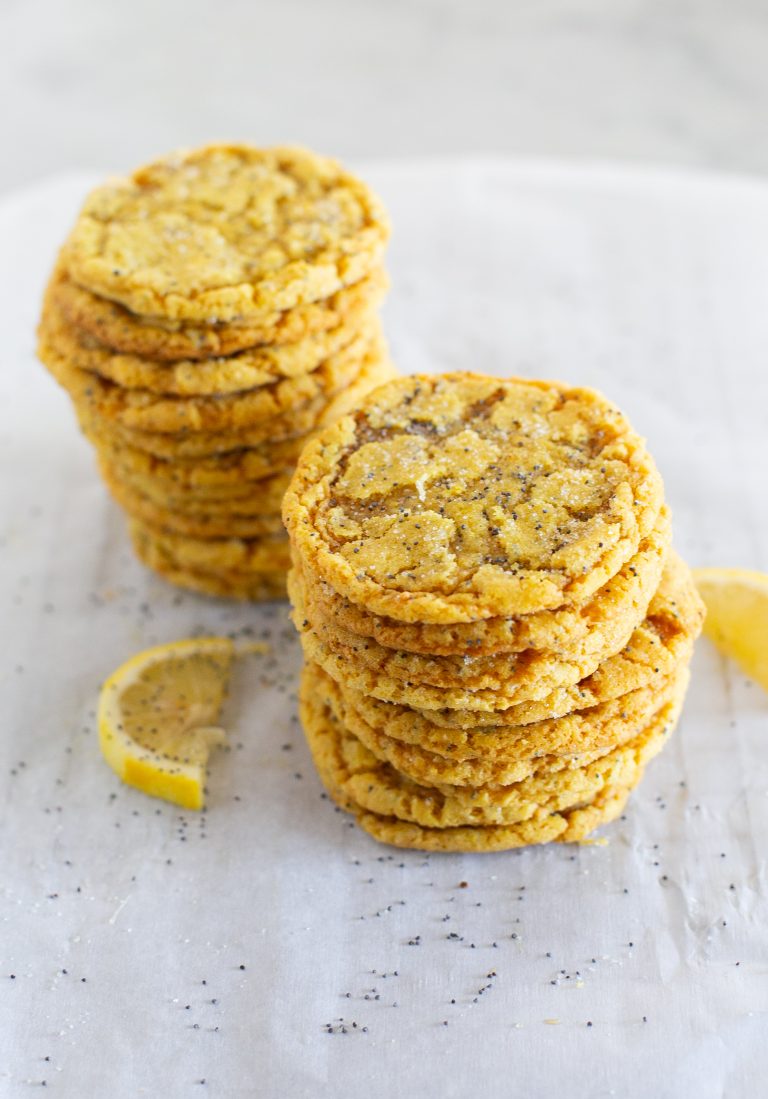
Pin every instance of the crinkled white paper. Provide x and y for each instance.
(269, 948)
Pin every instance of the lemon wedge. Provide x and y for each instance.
(158, 717)
(737, 616)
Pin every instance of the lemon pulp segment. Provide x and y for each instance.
(737, 616)
(158, 717)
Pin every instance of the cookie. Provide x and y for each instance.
(376, 787)
(216, 557)
(373, 371)
(257, 498)
(219, 377)
(206, 315)
(226, 233)
(190, 525)
(141, 410)
(508, 673)
(588, 730)
(507, 679)
(220, 475)
(656, 648)
(457, 497)
(251, 587)
(499, 756)
(161, 485)
(625, 596)
(570, 826)
(116, 327)
(661, 645)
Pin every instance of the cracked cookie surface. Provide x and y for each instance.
(226, 233)
(457, 497)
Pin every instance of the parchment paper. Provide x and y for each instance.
(269, 948)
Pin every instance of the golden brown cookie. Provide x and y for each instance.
(141, 410)
(257, 588)
(114, 326)
(194, 445)
(473, 682)
(226, 233)
(376, 787)
(588, 730)
(161, 485)
(509, 673)
(656, 648)
(500, 756)
(571, 826)
(220, 476)
(189, 524)
(255, 498)
(189, 378)
(216, 557)
(625, 596)
(197, 444)
(457, 497)
(248, 587)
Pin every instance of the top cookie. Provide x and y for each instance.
(226, 233)
(458, 497)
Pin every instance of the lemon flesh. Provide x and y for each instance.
(158, 717)
(737, 616)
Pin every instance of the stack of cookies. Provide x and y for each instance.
(496, 631)
(207, 314)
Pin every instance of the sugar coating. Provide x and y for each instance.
(626, 594)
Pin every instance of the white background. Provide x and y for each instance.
(104, 85)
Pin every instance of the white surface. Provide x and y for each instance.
(89, 83)
(652, 287)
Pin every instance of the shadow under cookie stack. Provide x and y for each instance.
(207, 315)
(496, 631)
